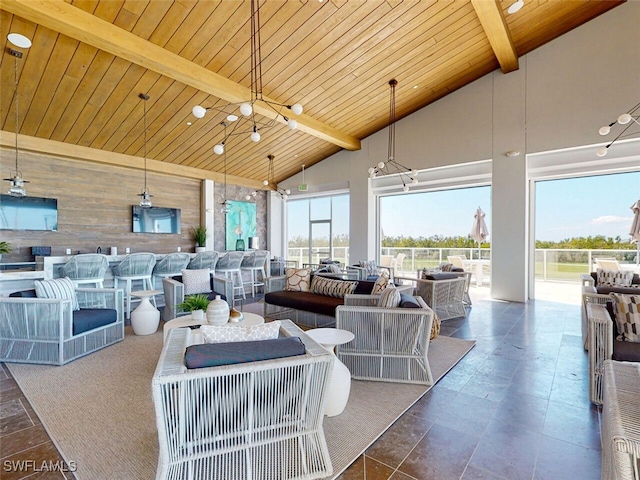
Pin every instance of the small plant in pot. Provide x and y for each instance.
(196, 304)
(5, 247)
(199, 235)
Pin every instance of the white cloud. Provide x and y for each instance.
(605, 219)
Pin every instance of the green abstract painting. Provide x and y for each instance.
(241, 223)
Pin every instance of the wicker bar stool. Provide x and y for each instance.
(135, 267)
(204, 260)
(171, 265)
(254, 264)
(86, 268)
(229, 266)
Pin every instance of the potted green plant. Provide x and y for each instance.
(199, 235)
(5, 247)
(196, 304)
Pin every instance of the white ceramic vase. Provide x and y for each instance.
(200, 249)
(197, 315)
(217, 312)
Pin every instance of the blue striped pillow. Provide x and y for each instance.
(58, 288)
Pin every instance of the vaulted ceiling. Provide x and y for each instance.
(80, 81)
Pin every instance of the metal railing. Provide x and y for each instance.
(550, 264)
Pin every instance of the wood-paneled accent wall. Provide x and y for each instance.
(95, 206)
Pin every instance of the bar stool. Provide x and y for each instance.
(136, 266)
(254, 264)
(86, 268)
(204, 260)
(171, 265)
(229, 266)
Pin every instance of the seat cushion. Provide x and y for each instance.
(364, 287)
(309, 302)
(87, 319)
(625, 351)
(439, 276)
(218, 354)
(24, 294)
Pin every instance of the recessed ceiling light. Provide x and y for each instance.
(188, 124)
(232, 118)
(515, 7)
(415, 86)
(19, 40)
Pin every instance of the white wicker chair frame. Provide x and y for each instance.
(620, 434)
(390, 344)
(40, 330)
(174, 295)
(445, 297)
(590, 297)
(86, 268)
(251, 421)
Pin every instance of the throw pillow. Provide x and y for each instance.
(334, 268)
(435, 326)
(331, 288)
(297, 279)
(626, 309)
(381, 283)
(446, 267)
(613, 278)
(236, 333)
(196, 281)
(58, 288)
(389, 298)
(370, 266)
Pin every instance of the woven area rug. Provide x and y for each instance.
(99, 412)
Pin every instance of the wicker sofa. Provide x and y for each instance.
(48, 331)
(305, 308)
(261, 419)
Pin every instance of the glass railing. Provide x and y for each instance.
(550, 264)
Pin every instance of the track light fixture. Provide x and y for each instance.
(391, 166)
(247, 122)
(631, 118)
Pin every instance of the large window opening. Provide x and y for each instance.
(318, 228)
(578, 221)
(429, 227)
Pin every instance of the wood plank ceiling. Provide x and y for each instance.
(335, 57)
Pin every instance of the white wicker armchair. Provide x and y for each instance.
(446, 297)
(390, 344)
(250, 421)
(41, 330)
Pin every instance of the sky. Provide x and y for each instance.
(576, 207)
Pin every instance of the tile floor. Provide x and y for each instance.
(516, 407)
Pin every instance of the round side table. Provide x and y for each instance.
(145, 318)
(340, 384)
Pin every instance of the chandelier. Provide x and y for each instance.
(15, 177)
(629, 119)
(391, 166)
(271, 183)
(145, 195)
(242, 115)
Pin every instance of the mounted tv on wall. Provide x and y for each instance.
(156, 220)
(28, 213)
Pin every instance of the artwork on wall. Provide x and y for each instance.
(241, 224)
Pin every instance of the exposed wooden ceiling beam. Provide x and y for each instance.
(80, 25)
(495, 27)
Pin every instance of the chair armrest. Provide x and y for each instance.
(600, 347)
(274, 284)
(361, 272)
(353, 299)
(587, 280)
(173, 295)
(35, 318)
(224, 286)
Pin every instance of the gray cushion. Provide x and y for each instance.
(408, 301)
(218, 354)
(87, 319)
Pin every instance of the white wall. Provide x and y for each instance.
(562, 93)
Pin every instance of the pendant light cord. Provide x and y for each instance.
(16, 106)
(144, 126)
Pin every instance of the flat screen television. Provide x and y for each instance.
(28, 213)
(156, 220)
